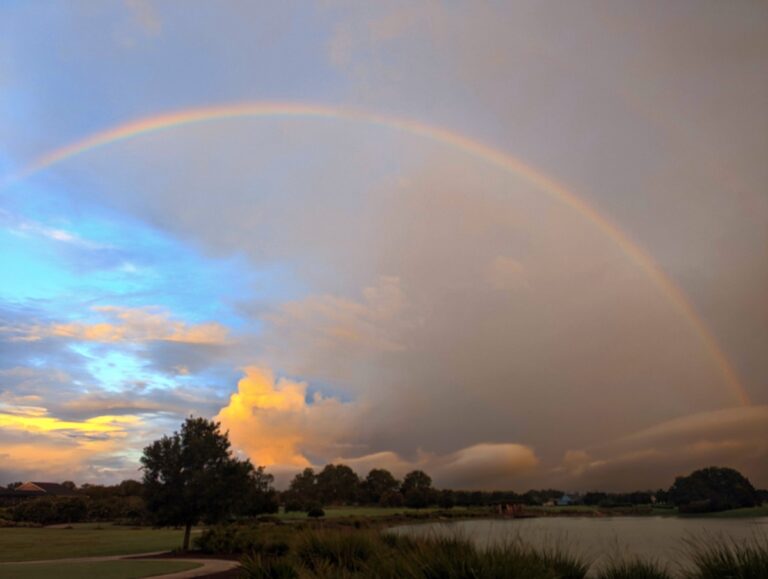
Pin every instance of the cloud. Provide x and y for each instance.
(305, 336)
(29, 227)
(145, 15)
(123, 324)
(436, 303)
(38, 444)
(275, 423)
(506, 273)
(735, 437)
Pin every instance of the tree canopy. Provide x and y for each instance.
(379, 483)
(193, 476)
(713, 489)
(337, 484)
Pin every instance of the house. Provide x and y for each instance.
(564, 501)
(43, 489)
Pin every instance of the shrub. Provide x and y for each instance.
(257, 566)
(50, 511)
(228, 539)
(316, 512)
(294, 506)
(339, 550)
(237, 539)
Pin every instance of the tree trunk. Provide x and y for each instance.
(187, 532)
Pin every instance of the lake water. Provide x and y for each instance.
(659, 538)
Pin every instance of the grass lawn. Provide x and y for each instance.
(761, 511)
(566, 509)
(101, 569)
(335, 512)
(83, 540)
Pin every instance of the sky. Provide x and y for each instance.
(513, 244)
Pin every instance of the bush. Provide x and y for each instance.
(51, 511)
(294, 506)
(257, 566)
(238, 539)
(316, 512)
(338, 550)
(228, 539)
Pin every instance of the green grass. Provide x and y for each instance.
(761, 511)
(89, 540)
(100, 569)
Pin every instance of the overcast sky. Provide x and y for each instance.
(334, 287)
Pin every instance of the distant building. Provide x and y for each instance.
(43, 489)
(565, 501)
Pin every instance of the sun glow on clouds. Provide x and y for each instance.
(95, 425)
(34, 443)
(274, 424)
(141, 325)
(130, 325)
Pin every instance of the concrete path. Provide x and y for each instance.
(208, 566)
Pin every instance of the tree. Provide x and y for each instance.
(130, 488)
(416, 480)
(446, 499)
(337, 484)
(379, 482)
(595, 498)
(712, 489)
(192, 476)
(417, 489)
(302, 491)
(262, 497)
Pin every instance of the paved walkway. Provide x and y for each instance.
(208, 566)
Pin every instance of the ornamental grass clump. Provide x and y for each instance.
(723, 559)
(633, 569)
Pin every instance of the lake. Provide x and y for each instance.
(659, 538)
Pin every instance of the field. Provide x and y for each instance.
(100, 569)
(83, 540)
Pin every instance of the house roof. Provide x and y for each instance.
(44, 488)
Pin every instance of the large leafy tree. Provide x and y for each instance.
(337, 484)
(262, 497)
(713, 489)
(417, 489)
(379, 483)
(192, 476)
(302, 491)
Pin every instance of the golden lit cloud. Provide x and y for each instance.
(38, 444)
(127, 325)
(272, 422)
(39, 423)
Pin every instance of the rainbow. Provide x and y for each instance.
(445, 137)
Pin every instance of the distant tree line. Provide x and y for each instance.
(193, 476)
